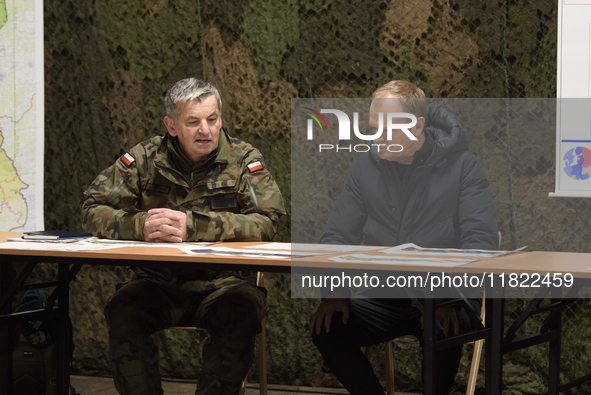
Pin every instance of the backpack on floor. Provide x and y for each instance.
(34, 367)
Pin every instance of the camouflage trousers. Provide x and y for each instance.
(230, 309)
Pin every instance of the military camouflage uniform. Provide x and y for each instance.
(223, 200)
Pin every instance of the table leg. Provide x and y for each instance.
(5, 331)
(494, 347)
(429, 347)
(63, 357)
(554, 351)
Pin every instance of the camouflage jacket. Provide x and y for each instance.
(226, 196)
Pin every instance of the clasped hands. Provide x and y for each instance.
(165, 225)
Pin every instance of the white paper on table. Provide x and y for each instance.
(413, 249)
(400, 260)
(246, 252)
(272, 246)
(21, 240)
(314, 247)
(137, 243)
(33, 245)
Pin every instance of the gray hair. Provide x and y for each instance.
(186, 90)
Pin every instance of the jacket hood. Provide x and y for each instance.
(445, 129)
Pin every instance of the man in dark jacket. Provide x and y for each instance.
(428, 190)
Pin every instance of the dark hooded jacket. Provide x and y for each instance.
(442, 201)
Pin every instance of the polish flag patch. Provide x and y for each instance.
(254, 166)
(128, 159)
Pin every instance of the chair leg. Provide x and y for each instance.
(263, 360)
(389, 369)
(243, 388)
(471, 387)
(474, 367)
(389, 362)
(262, 345)
(367, 351)
(156, 340)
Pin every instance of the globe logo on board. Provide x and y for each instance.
(577, 163)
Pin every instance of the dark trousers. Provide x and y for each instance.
(374, 321)
(230, 309)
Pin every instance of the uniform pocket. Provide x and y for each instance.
(224, 202)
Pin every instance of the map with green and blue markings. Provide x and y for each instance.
(21, 115)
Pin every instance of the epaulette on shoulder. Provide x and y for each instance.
(151, 143)
(145, 149)
(146, 146)
(236, 141)
(242, 147)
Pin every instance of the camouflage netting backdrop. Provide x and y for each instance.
(108, 64)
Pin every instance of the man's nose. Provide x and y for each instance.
(204, 128)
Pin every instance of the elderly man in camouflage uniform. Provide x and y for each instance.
(195, 183)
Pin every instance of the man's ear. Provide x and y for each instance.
(419, 127)
(169, 122)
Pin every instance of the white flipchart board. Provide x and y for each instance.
(573, 120)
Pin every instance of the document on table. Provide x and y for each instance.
(246, 252)
(413, 249)
(93, 244)
(138, 243)
(313, 247)
(21, 240)
(43, 246)
(400, 260)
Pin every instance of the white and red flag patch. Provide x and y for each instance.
(128, 159)
(254, 166)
